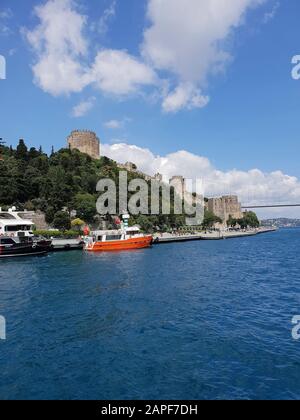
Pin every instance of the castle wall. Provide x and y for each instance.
(226, 206)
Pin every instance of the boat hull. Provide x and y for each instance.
(122, 245)
(24, 250)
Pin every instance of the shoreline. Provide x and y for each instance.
(210, 236)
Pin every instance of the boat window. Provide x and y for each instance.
(7, 241)
(100, 238)
(6, 216)
(113, 237)
(25, 240)
(17, 228)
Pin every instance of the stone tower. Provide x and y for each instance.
(178, 183)
(86, 142)
(226, 206)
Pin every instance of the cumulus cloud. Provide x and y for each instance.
(184, 96)
(253, 187)
(187, 39)
(113, 124)
(5, 15)
(117, 72)
(182, 46)
(83, 107)
(108, 14)
(272, 13)
(60, 47)
(116, 124)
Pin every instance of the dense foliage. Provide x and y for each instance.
(250, 219)
(210, 219)
(64, 181)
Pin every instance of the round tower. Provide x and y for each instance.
(86, 142)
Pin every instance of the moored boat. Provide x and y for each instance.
(118, 240)
(22, 247)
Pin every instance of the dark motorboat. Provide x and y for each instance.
(22, 247)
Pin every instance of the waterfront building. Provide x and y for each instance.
(86, 142)
(225, 206)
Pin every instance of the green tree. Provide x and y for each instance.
(250, 219)
(22, 152)
(210, 219)
(85, 206)
(62, 221)
(77, 224)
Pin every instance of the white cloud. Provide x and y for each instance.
(5, 15)
(253, 187)
(116, 124)
(12, 52)
(184, 96)
(117, 72)
(83, 107)
(60, 46)
(183, 45)
(113, 124)
(272, 13)
(108, 14)
(187, 38)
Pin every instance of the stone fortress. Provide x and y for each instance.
(87, 142)
(226, 206)
(223, 207)
(131, 167)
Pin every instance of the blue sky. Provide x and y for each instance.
(239, 111)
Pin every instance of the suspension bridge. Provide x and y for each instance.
(271, 206)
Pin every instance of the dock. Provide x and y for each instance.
(67, 245)
(209, 236)
(166, 238)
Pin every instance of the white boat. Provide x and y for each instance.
(12, 224)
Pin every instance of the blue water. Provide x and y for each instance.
(198, 320)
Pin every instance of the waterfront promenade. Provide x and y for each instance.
(209, 235)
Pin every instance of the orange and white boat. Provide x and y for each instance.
(118, 240)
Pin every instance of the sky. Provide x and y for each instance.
(199, 88)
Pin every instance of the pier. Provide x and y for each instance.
(67, 245)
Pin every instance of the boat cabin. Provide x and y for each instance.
(11, 224)
(116, 235)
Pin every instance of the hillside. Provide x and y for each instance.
(65, 180)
